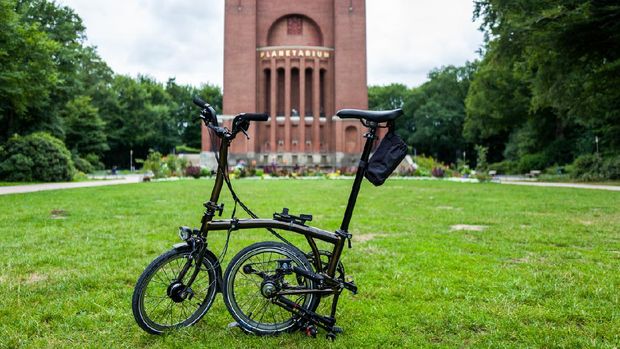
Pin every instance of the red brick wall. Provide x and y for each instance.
(336, 24)
(350, 43)
(240, 56)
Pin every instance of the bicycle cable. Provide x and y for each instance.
(236, 199)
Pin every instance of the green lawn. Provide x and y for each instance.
(544, 272)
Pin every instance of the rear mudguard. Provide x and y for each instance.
(183, 246)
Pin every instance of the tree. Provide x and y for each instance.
(387, 97)
(85, 131)
(185, 112)
(437, 111)
(27, 73)
(567, 54)
(65, 28)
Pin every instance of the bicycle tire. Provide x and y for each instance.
(141, 314)
(233, 293)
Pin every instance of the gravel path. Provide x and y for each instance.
(128, 179)
(54, 186)
(565, 185)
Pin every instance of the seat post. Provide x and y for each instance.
(359, 176)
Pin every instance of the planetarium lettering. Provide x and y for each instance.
(299, 53)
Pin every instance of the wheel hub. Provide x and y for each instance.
(176, 291)
(269, 289)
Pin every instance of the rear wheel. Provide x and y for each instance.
(253, 279)
(161, 302)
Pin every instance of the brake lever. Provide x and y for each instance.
(245, 133)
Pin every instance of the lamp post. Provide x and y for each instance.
(131, 160)
(596, 141)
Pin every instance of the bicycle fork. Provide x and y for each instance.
(199, 249)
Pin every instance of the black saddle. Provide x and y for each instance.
(376, 116)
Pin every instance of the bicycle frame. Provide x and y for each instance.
(337, 239)
(296, 283)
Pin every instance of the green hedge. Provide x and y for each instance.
(531, 162)
(504, 167)
(593, 167)
(36, 157)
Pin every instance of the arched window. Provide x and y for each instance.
(294, 29)
(350, 139)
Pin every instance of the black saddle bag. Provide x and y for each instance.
(390, 152)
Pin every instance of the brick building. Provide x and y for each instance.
(299, 61)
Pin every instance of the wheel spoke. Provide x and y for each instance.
(159, 311)
(254, 311)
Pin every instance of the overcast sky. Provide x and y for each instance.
(185, 38)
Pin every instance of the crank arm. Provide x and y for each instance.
(327, 323)
(247, 269)
(305, 291)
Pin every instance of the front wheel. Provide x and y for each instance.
(253, 280)
(161, 302)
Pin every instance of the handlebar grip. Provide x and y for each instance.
(199, 102)
(256, 116)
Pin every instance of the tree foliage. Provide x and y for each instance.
(50, 80)
(27, 73)
(551, 66)
(437, 111)
(84, 129)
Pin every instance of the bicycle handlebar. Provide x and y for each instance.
(199, 102)
(241, 122)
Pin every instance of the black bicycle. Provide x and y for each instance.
(268, 287)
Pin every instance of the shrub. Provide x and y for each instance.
(184, 149)
(17, 168)
(611, 167)
(504, 167)
(531, 162)
(482, 177)
(172, 167)
(240, 172)
(193, 171)
(588, 167)
(80, 176)
(422, 172)
(82, 165)
(95, 161)
(425, 166)
(593, 167)
(462, 167)
(481, 160)
(438, 172)
(205, 172)
(154, 164)
(259, 172)
(36, 157)
(182, 163)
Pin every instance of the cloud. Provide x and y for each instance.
(163, 39)
(185, 38)
(406, 39)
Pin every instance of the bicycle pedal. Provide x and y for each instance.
(337, 329)
(350, 285)
(311, 331)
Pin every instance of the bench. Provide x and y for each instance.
(533, 174)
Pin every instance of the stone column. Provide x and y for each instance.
(316, 108)
(287, 105)
(302, 106)
(274, 106)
